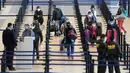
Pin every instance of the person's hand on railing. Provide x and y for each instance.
(21, 39)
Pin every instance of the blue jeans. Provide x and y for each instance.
(70, 49)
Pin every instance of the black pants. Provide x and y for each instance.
(36, 47)
(9, 57)
(113, 64)
(101, 65)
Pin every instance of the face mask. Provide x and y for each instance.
(26, 27)
(93, 9)
(38, 9)
(112, 22)
(90, 15)
(10, 28)
(94, 25)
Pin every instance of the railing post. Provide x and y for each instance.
(124, 48)
(0, 4)
(127, 56)
(128, 7)
(3, 3)
(32, 5)
(3, 62)
(121, 41)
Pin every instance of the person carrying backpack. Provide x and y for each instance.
(89, 19)
(57, 15)
(121, 16)
(38, 36)
(70, 35)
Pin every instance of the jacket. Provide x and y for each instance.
(101, 48)
(113, 50)
(57, 14)
(8, 38)
(38, 35)
(40, 14)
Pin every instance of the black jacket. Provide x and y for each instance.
(101, 48)
(119, 11)
(113, 50)
(38, 35)
(57, 14)
(40, 14)
(8, 38)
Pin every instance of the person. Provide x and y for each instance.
(121, 19)
(39, 15)
(9, 41)
(113, 53)
(101, 49)
(89, 19)
(38, 35)
(57, 15)
(28, 31)
(36, 23)
(93, 11)
(69, 40)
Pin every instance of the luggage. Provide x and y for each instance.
(99, 29)
(63, 42)
(94, 31)
(110, 33)
(72, 34)
(52, 26)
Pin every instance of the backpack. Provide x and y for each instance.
(125, 13)
(110, 33)
(94, 31)
(72, 34)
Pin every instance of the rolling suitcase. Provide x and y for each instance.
(99, 29)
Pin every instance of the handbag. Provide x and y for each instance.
(118, 17)
(72, 34)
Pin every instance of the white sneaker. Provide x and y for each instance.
(38, 61)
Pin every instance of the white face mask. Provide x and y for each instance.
(94, 25)
(26, 27)
(10, 28)
(38, 9)
(112, 22)
(90, 15)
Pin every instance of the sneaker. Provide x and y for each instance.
(38, 61)
(12, 69)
